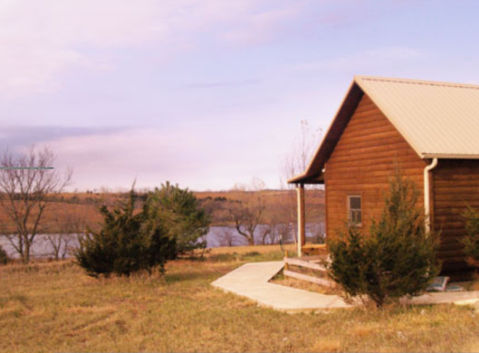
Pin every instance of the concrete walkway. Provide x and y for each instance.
(252, 281)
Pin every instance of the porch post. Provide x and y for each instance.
(301, 218)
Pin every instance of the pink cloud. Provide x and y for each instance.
(196, 160)
(41, 40)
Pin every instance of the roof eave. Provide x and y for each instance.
(307, 179)
(449, 156)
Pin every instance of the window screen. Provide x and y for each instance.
(354, 210)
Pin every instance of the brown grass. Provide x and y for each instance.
(48, 307)
(261, 249)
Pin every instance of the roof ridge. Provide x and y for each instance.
(418, 82)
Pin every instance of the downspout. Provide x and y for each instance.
(427, 194)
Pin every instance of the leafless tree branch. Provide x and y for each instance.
(25, 183)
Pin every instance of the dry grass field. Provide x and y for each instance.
(50, 306)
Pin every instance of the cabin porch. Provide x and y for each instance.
(310, 260)
(302, 247)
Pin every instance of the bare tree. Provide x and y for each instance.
(247, 212)
(301, 153)
(317, 231)
(62, 231)
(25, 183)
(275, 227)
(226, 236)
(294, 163)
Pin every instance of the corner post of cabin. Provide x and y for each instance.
(301, 218)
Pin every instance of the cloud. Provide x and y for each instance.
(117, 158)
(223, 84)
(200, 161)
(41, 40)
(365, 60)
(261, 27)
(19, 137)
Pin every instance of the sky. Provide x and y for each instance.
(205, 93)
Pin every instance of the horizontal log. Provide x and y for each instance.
(459, 204)
(388, 154)
(380, 168)
(445, 187)
(379, 139)
(372, 178)
(303, 263)
(369, 150)
(453, 171)
(386, 158)
(384, 173)
(449, 226)
(440, 184)
(367, 140)
(449, 211)
(346, 186)
(462, 195)
(365, 112)
(449, 233)
(366, 118)
(316, 280)
(371, 129)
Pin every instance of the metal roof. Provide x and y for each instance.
(438, 119)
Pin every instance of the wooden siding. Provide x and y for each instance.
(456, 185)
(362, 163)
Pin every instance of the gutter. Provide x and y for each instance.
(427, 194)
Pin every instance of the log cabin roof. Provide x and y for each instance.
(438, 119)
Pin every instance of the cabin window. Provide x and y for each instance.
(354, 210)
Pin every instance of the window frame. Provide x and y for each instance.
(349, 209)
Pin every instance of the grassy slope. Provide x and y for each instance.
(55, 307)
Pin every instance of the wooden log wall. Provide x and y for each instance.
(455, 185)
(363, 162)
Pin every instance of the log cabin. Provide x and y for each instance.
(430, 129)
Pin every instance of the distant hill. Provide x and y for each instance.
(84, 205)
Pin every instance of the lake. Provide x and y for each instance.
(216, 237)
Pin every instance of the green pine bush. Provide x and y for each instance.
(4, 259)
(180, 212)
(128, 242)
(398, 256)
(471, 239)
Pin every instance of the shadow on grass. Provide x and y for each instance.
(193, 273)
(252, 256)
(189, 276)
